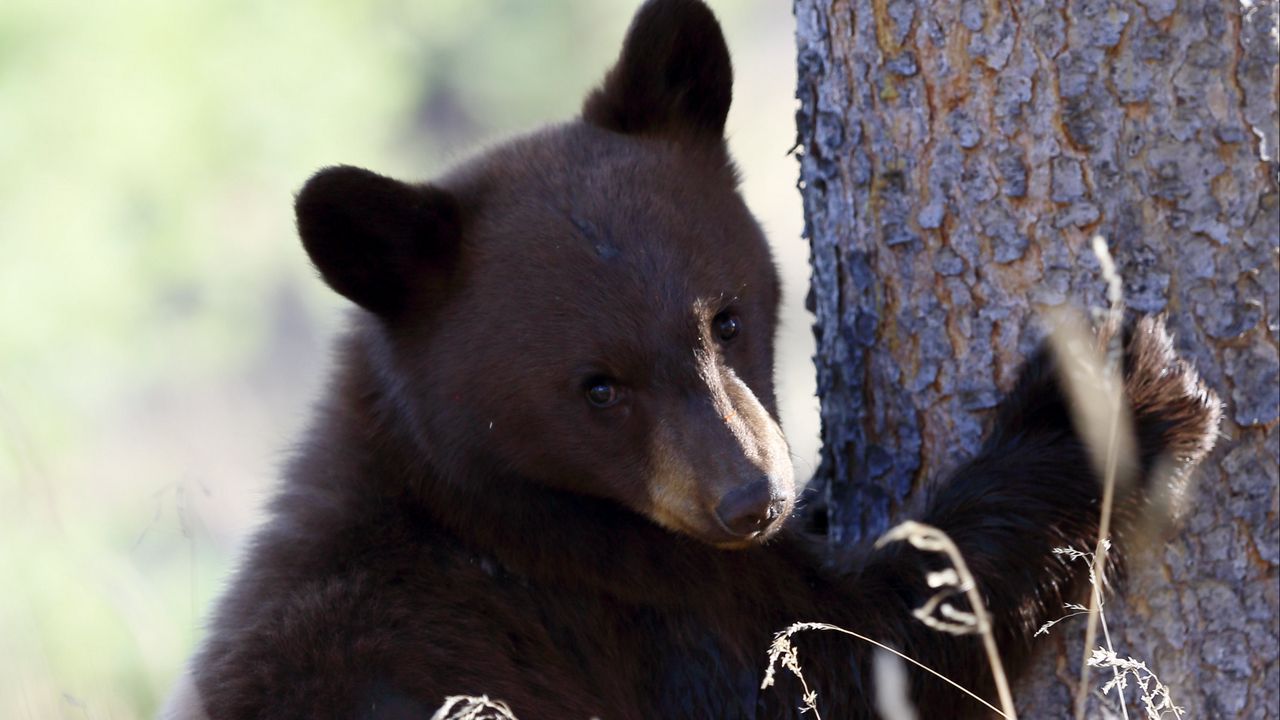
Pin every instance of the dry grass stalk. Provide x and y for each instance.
(1068, 554)
(1153, 693)
(471, 707)
(1095, 386)
(955, 579)
(783, 652)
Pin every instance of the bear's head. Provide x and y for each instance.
(591, 307)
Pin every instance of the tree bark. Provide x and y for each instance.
(956, 158)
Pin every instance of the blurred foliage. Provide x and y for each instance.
(158, 322)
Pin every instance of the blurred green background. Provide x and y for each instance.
(161, 334)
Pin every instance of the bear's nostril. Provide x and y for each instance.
(748, 509)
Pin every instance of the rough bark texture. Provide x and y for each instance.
(955, 160)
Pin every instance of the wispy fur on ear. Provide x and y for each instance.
(369, 235)
(673, 76)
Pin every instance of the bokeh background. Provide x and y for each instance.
(161, 333)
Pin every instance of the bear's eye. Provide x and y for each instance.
(727, 326)
(602, 392)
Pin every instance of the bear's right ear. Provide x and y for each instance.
(372, 237)
(673, 76)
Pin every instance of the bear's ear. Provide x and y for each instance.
(672, 77)
(372, 237)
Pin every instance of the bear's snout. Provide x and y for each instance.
(720, 467)
(748, 510)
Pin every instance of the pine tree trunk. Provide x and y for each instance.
(956, 158)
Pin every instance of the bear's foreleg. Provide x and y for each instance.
(1035, 486)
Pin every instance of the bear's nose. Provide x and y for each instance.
(748, 509)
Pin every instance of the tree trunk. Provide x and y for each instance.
(956, 158)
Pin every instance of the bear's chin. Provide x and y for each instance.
(738, 544)
(720, 538)
(750, 541)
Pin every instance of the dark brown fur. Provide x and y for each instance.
(461, 521)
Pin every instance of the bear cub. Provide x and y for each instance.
(548, 468)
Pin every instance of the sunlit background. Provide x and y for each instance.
(161, 333)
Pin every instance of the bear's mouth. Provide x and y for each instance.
(731, 541)
(742, 542)
(707, 527)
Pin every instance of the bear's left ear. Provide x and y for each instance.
(376, 240)
(673, 75)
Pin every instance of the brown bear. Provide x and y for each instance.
(549, 467)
